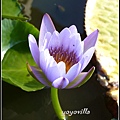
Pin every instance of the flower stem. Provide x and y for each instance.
(56, 104)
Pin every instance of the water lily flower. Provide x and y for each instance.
(61, 57)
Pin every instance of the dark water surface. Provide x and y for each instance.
(21, 105)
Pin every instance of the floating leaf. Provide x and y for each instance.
(14, 32)
(11, 9)
(14, 70)
(103, 15)
(16, 53)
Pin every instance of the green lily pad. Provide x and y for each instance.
(14, 70)
(14, 32)
(11, 7)
(15, 54)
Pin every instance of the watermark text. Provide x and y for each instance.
(73, 112)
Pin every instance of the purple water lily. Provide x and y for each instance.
(61, 57)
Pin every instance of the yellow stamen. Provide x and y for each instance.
(69, 58)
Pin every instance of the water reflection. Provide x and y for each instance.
(63, 13)
(21, 105)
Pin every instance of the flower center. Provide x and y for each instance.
(69, 58)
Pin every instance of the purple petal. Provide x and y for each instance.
(90, 40)
(51, 62)
(73, 29)
(52, 73)
(75, 44)
(87, 57)
(44, 59)
(34, 48)
(73, 72)
(46, 41)
(46, 26)
(54, 41)
(64, 37)
(43, 64)
(81, 78)
(62, 68)
(60, 83)
(39, 75)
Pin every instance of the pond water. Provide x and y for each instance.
(21, 105)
